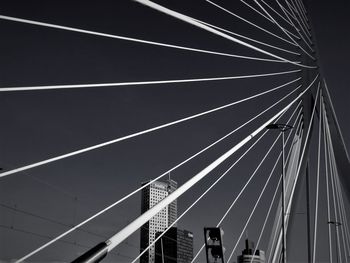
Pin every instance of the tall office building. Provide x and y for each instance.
(247, 254)
(150, 196)
(175, 246)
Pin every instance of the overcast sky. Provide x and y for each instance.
(41, 203)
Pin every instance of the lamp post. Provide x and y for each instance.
(336, 224)
(282, 128)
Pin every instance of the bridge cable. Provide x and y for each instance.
(281, 16)
(300, 163)
(313, 58)
(293, 43)
(199, 198)
(211, 186)
(271, 204)
(269, 19)
(141, 220)
(90, 148)
(317, 177)
(248, 38)
(145, 185)
(344, 216)
(239, 194)
(333, 197)
(192, 21)
(337, 209)
(288, 15)
(137, 40)
(249, 22)
(301, 26)
(151, 82)
(255, 206)
(293, 157)
(327, 186)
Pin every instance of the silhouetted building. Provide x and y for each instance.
(150, 196)
(175, 246)
(247, 254)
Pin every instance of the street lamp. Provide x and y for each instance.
(282, 128)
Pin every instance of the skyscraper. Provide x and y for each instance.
(150, 196)
(175, 246)
(247, 254)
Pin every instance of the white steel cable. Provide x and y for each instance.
(340, 212)
(250, 23)
(288, 15)
(248, 38)
(344, 216)
(300, 24)
(333, 195)
(205, 192)
(199, 198)
(277, 13)
(239, 194)
(138, 83)
(336, 197)
(294, 157)
(269, 19)
(145, 185)
(303, 7)
(266, 217)
(193, 22)
(327, 187)
(23, 168)
(303, 21)
(298, 134)
(317, 178)
(304, 17)
(257, 11)
(137, 40)
(141, 220)
(257, 201)
(301, 157)
(267, 13)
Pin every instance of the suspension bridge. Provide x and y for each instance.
(201, 92)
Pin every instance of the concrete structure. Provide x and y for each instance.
(150, 196)
(247, 254)
(175, 246)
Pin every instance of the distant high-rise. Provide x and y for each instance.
(150, 196)
(247, 254)
(175, 246)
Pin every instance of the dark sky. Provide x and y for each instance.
(40, 203)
